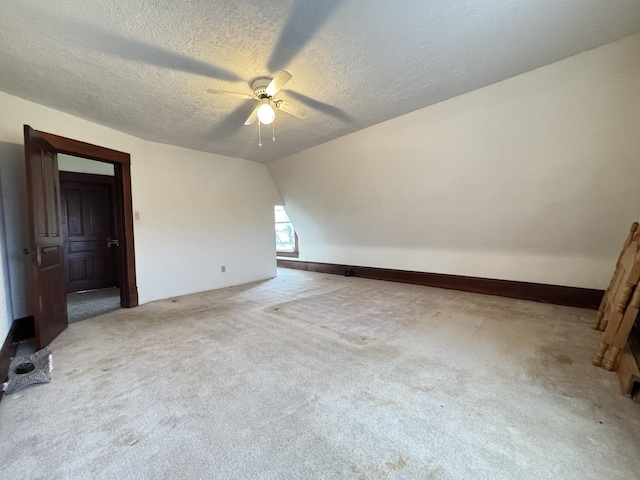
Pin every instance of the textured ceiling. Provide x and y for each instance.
(142, 66)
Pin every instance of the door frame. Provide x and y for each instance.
(121, 162)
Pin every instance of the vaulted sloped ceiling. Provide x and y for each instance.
(143, 66)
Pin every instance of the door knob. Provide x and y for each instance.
(111, 242)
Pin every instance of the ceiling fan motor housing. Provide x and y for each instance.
(259, 86)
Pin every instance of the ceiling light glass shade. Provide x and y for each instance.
(266, 114)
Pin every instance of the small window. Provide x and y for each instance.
(286, 238)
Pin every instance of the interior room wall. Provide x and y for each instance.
(198, 211)
(16, 272)
(6, 308)
(199, 215)
(536, 178)
(69, 163)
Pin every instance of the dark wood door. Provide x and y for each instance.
(46, 238)
(88, 227)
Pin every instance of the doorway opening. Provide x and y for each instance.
(89, 227)
(76, 261)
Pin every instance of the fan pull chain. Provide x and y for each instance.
(273, 124)
(259, 136)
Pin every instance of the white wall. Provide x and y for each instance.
(69, 163)
(16, 273)
(536, 178)
(198, 211)
(196, 216)
(6, 308)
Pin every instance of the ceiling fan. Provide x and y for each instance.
(264, 91)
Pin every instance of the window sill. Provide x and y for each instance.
(288, 254)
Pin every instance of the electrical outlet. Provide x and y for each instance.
(223, 268)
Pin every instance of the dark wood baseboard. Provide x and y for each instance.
(537, 292)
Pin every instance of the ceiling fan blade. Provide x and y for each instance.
(246, 96)
(304, 21)
(291, 109)
(94, 38)
(253, 117)
(279, 81)
(321, 106)
(231, 124)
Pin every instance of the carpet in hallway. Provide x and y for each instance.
(92, 303)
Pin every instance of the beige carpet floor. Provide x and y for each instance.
(311, 376)
(92, 303)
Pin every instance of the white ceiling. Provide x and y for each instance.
(142, 66)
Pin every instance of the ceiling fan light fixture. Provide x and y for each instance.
(264, 91)
(266, 114)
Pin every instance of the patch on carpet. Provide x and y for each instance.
(29, 369)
